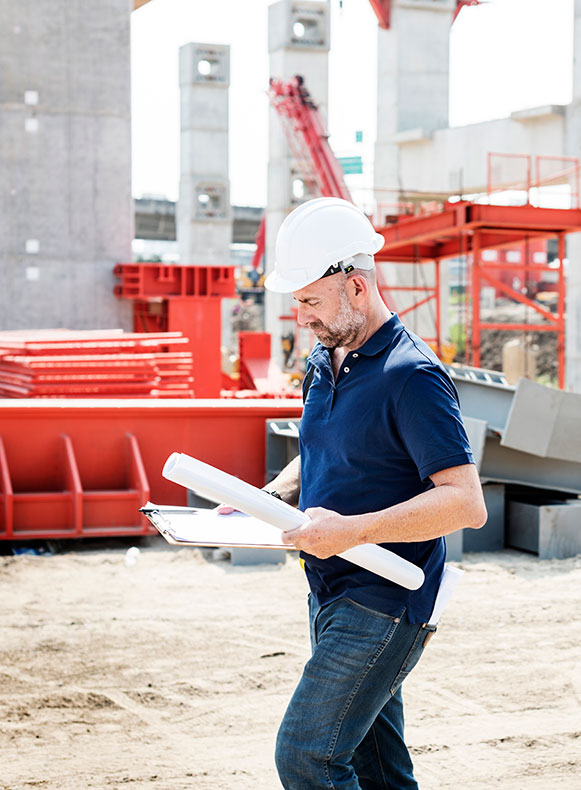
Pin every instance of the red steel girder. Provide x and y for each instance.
(518, 297)
(93, 481)
(190, 303)
(450, 232)
(160, 280)
(556, 320)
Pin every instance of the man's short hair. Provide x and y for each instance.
(369, 274)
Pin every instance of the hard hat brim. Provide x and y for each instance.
(274, 282)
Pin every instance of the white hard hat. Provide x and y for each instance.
(321, 234)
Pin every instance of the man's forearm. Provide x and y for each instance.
(288, 482)
(429, 515)
(455, 502)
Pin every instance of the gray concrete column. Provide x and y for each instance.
(66, 212)
(298, 43)
(412, 102)
(204, 214)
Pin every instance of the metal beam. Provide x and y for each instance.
(505, 465)
(484, 395)
(556, 417)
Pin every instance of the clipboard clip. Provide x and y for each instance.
(164, 524)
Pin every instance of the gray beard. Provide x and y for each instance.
(344, 330)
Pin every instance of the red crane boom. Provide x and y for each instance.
(309, 142)
(307, 136)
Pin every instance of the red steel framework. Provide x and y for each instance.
(308, 137)
(170, 298)
(564, 170)
(93, 364)
(83, 468)
(308, 140)
(466, 228)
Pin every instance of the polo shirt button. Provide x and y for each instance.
(355, 355)
(346, 369)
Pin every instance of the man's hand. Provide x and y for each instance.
(327, 533)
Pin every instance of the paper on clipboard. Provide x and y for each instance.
(219, 486)
(187, 526)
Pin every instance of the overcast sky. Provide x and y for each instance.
(504, 56)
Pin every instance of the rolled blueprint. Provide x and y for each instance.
(220, 487)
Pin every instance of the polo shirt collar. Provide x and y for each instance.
(378, 342)
(381, 339)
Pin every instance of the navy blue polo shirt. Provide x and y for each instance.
(370, 440)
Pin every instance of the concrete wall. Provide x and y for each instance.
(66, 214)
(204, 215)
(454, 158)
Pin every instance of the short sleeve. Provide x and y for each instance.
(430, 424)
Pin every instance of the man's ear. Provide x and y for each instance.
(357, 287)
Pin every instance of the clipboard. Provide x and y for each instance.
(189, 526)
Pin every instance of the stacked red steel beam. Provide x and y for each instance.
(94, 363)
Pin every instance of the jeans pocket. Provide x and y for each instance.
(423, 636)
(375, 612)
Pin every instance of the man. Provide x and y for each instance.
(383, 459)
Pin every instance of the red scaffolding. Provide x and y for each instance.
(454, 229)
(466, 228)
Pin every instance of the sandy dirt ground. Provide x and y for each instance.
(175, 673)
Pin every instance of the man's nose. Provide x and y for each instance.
(304, 316)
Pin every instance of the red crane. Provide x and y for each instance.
(308, 137)
(309, 143)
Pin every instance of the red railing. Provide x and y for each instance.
(510, 172)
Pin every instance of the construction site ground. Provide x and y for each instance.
(174, 673)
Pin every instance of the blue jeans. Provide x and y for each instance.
(344, 726)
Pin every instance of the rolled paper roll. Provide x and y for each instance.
(220, 487)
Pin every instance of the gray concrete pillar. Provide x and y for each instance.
(412, 102)
(66, 213)
(298, 43)
(204, 214)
